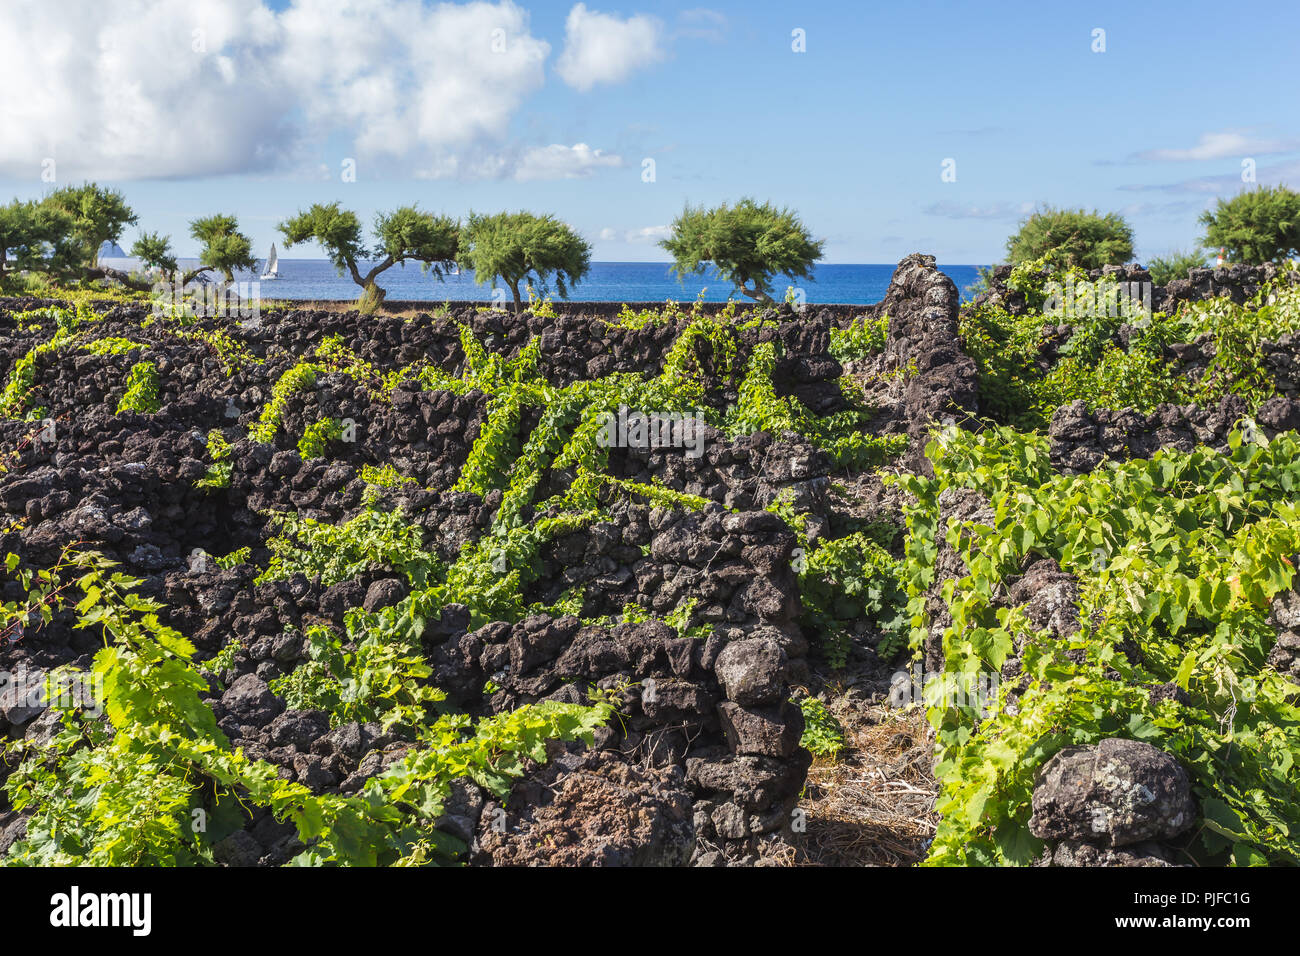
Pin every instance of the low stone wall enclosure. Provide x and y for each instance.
(704, 763)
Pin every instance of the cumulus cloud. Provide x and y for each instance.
(649, 233)
(137, 89)
(643, 234)
(405, 77)
(602, 48)
(1226, 144)
(90, 86)
(563, 162)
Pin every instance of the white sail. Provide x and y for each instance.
(272, 270)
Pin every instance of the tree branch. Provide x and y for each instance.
(387, 263)
(103, 272)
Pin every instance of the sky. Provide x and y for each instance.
(890, 128)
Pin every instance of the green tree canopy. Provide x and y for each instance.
(97, 215)
(1072, 237)
(523, 246)
(225, 248)
(1255, 226)
(405, 234)
(1175, 265)
(33, 236)
(155, 249)
(749, 243)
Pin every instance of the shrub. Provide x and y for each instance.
(1164, 269)
(749, 244)
(1255, 226)
(524, 247)
(1072, 237)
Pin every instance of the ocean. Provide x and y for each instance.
(605, 282)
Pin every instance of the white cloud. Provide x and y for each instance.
(649, 234)
(1287, 171)
(601, 48)
(118, 90)
(521, 163)
(563, 162)
(1227, 144)
(644, 234)
(136, 89)
(403, 77)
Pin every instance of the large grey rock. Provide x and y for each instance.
(922, 304)
(22, 695)
(250, 701)
(299, 728)
(1115, 793)
(13, 828)
(729, 822)
(1050, 597)
(762, 731)
(384, 593)
(752, 671)
(351, 740)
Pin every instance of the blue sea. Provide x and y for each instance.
(605, 282)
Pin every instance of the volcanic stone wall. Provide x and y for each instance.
(1238, 282)
(708, 744)
(1081, 438)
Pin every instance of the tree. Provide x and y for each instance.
(1072, 237)
(98, 215)
(155, 250)
(35, 235)
(523, 246)
(1164, 269)
(748, 243)
(225, 248)
(405, 234)
(1255, 226)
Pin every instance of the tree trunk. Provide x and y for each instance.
(519, 304)
(98, 272)
(372, 296)
(371, 299)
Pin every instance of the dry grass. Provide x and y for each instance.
(874, 805)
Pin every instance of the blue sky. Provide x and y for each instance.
(253, 107)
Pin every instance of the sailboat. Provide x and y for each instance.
(272, 270)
